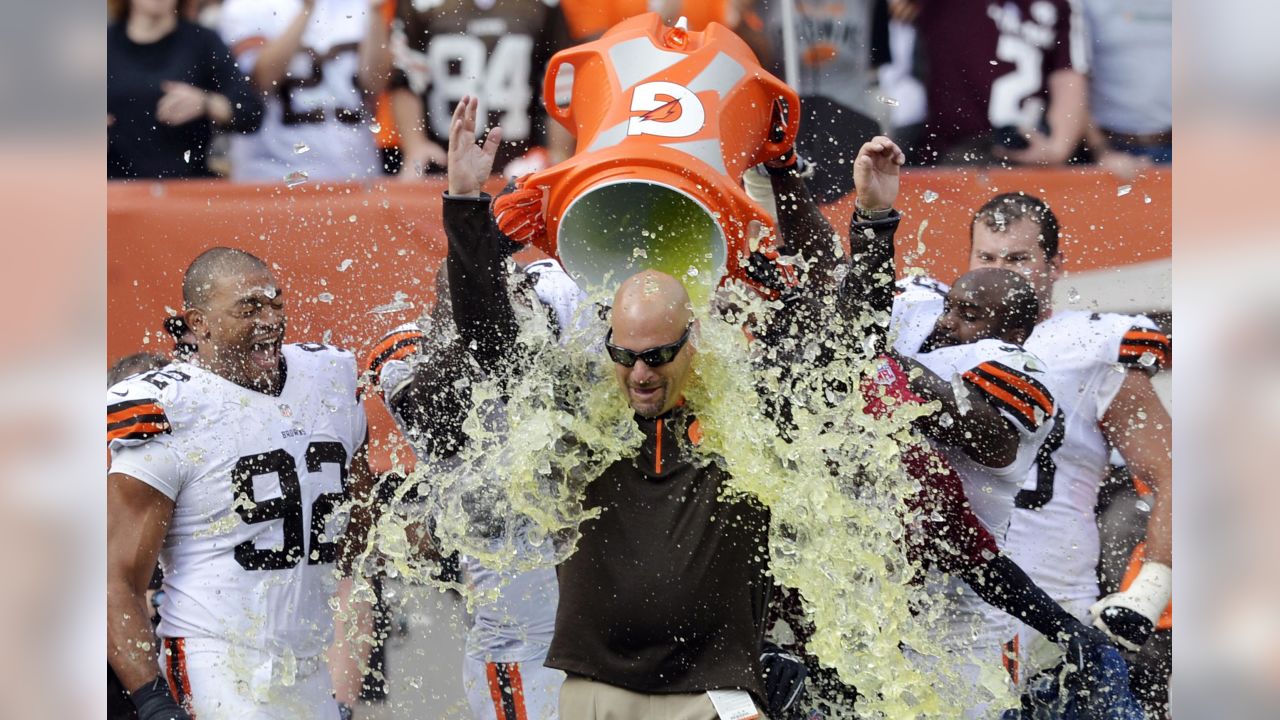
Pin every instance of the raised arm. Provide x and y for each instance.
(868, 286)
(477, 256)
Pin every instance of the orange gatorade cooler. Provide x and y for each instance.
(666, 121)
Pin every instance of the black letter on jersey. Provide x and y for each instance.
(1046, 468)
(318, 453)
(287, 507)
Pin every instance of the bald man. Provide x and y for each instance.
(229, 470)
(663, 600)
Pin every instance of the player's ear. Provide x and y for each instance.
(1055, 267)
(197, 321)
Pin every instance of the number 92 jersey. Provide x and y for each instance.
(255, 479)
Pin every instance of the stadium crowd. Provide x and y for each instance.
(329, 90)
(1047, 416)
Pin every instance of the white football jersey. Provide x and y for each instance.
(1010, 379)
(1054, 533)
(255, 479)
(917, 305)
(316, 120)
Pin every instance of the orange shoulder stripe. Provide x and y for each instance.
(136, 410)
(118, 433)
(992, 389)
(1021, 385)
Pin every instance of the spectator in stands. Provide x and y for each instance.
(839, 46)
(496, 52)
(169, 81)
(1130, 83)
(320, 65)
(1004, 81)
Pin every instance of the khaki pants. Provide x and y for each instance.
(583, 699)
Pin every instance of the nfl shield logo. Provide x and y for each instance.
(285, 410)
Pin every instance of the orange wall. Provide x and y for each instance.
(392, 235)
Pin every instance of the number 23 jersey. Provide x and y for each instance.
(250, 552)
(317, 117)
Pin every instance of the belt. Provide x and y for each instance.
(1145, 140)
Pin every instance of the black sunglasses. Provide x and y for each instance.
(653, 357)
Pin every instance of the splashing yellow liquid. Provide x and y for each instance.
(834, 484)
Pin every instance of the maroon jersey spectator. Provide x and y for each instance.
(1009, 74)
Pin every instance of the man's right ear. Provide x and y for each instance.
(196, 321)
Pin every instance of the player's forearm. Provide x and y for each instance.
(273, 59)
(977, 428)
(805, 230)
(1068, 113)
(476, 264)
(375, 55)
(132, 649)
(1160, 523)
(353, 641)
(867, 290)
(1003, 584)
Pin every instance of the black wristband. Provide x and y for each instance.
(871, 215)
(154, 702)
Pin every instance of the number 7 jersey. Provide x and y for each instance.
(251, 549)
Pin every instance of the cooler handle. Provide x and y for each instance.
(564, 115)
(785, 94)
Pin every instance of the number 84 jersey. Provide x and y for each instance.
(255, 479)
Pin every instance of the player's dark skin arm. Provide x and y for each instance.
(985, 435)
(354, 618)
(138, 518)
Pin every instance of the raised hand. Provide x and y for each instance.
(875, 173)
(469, 164)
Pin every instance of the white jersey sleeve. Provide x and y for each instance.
(557, 291)
(916, 307)
(388, 364)
(142, 412)
(1132, 342)
(1011, 380)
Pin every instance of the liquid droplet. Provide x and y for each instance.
(1142, 505)
(295, 178)
(325, 297)
(887, 100)
(1146, 199)
(692, 271)
(929, 196)
(375, 128)
(1123, 190)
(299, 148)
(186, 156)
(1073, 295)
(344, 265)
(1147, 359)
(351, 218)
